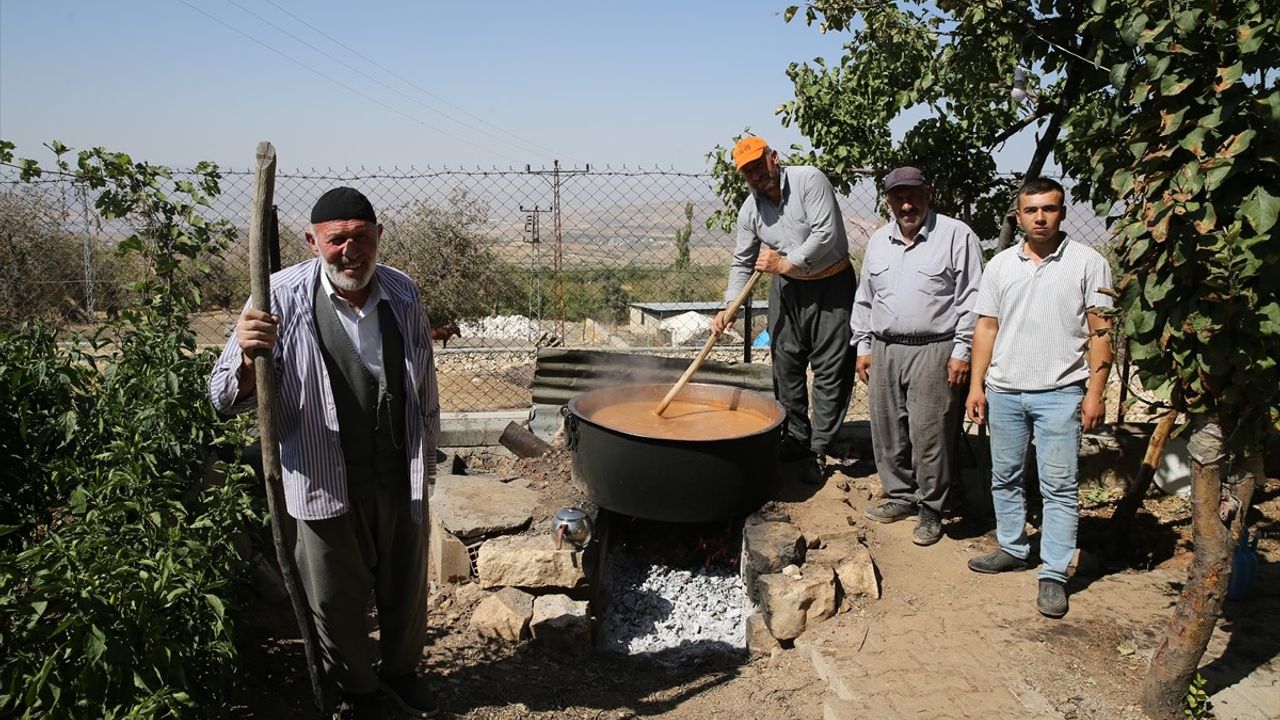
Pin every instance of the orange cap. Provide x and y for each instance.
(748, 149)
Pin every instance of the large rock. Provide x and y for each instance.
(470, 507)
(857, 575)
(448, 559)
(504, 615)
(759, 640)
(852, 562)
(771, 546)
(793, 603)
(529, 561)
(561, 625)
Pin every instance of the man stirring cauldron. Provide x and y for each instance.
(791, 227)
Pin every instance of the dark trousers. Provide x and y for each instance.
(809, 328)
(915, 415)
(375, 548)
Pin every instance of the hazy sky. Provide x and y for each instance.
(425, 84)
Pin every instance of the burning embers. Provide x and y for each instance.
(672, 591)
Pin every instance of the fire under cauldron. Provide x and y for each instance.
(675, 479)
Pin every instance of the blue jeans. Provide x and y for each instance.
(1054, 417)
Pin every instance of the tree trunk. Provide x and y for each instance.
(1215, 484)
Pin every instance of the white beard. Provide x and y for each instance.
(344, 282)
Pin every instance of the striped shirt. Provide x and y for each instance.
(806, 227)
(1043, 340)
(925, 288)
(312, 466)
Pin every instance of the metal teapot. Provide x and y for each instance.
(572, 524)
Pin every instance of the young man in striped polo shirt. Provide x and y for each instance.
(1041, 356)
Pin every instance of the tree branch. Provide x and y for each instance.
(1042, 110)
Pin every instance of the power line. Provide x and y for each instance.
(417, 87)
(345, 86)
(357, 70)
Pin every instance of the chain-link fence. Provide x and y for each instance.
(514, 259)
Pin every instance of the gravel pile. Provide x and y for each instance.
(679, 615)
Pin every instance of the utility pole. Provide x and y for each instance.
(534, 238)
(558, 260)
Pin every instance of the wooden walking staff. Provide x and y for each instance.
(264, 183)
(729, 314)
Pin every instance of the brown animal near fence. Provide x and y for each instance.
(443, 333)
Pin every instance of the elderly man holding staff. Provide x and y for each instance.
(359, 417)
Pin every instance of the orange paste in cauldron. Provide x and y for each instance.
(682, 420)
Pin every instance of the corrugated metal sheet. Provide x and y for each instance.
(561, 374)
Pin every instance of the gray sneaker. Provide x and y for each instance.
(928, 527)
(891, 511)
(997, 562)
(1052, 600)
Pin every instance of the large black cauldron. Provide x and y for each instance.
(674, 480)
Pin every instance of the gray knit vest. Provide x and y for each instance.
(370, 417)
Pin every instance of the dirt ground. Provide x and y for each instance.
(1089, 665)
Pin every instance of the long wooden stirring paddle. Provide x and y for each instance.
(730, 313)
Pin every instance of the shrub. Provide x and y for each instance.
(442, 248)
(118, 573)
(117, 570)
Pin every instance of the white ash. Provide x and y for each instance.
(680, 614)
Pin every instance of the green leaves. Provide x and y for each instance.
(1173, 85)
(1227, 76)
(1237, 143)
(1181, 133)
(106, 442)
(1251, 37)
(1260, 209)
(1171, 120)
(1194, 141)
(1122, 182)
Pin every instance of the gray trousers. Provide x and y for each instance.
(375, 548)
(809, 328)
(915, 415)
